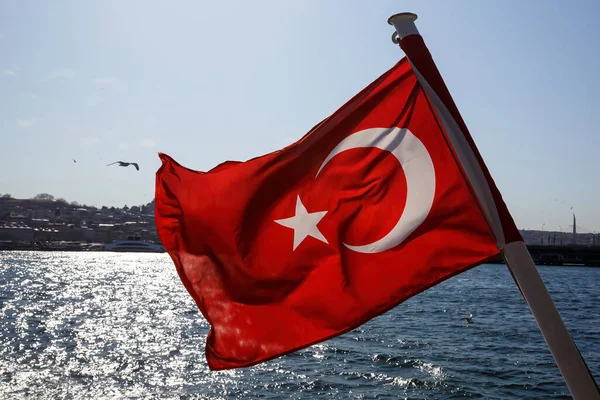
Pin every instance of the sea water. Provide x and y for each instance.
(113, 325)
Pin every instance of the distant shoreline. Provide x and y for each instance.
(65, 246)
(546, 255)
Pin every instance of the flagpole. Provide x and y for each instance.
(577, 376)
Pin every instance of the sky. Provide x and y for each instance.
(207, 82)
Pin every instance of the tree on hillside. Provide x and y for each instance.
(43, 196)
(75, 204)
(6, 196)
(62, 201)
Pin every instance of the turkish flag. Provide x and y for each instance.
(292, 248)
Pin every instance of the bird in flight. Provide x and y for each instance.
(125, 164)
(74, 160)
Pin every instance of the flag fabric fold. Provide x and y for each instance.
(300, 245)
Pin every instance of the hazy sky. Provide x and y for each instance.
(211, 81)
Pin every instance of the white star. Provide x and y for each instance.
(304, 223)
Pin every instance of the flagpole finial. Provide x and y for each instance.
(404, 24)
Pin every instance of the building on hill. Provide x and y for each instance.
(32, 203)
(4, 204)
(17, 233)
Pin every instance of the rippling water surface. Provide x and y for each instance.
(107, 325)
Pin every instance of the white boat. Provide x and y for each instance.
(134, 246)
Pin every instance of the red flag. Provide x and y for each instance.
(306, 243)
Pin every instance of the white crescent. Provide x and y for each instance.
(420, 179)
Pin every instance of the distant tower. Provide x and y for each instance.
(574, 230)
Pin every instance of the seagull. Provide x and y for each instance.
(74, 160)
(469, 319)
(125, 164)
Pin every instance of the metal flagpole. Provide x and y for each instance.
(577, 376)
